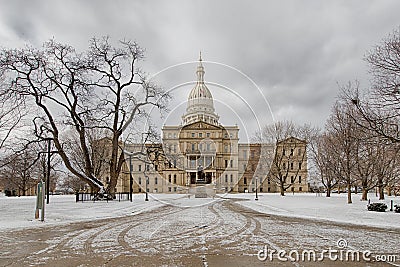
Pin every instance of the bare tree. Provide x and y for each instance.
(114, 76)
(341, 127)
(12, 113)
(100, 88)
(290, 152)
(386, 168)
(20, 172)
(380, 108)
(322, 147)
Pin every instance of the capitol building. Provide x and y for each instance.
(200, 152)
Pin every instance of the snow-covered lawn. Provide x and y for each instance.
(312, 206)
(18, 212)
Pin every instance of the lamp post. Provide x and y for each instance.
(256, 189)
(47, 178)
(130, 178)
(147, 195)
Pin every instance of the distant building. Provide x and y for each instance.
(201, 151)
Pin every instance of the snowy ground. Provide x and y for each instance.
(313, 206)
(173, 230)
(18, 212)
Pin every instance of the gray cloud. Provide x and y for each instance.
(295, 51)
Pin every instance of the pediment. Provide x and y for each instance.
(201, 125)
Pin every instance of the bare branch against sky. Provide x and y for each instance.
(296, 52)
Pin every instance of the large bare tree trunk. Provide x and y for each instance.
(328, 192)
(349, 201)
(380, 189)
(364, 195)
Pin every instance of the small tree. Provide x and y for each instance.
(322, 154)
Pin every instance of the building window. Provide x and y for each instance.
(156, 180)
(291, 166)
(226, 148)
(140, 167)
(292, 179)
(174, 178)
(208, 134)
(226, 178)
(140, 190)
(169, 178)
(156, 167)
(231, 163)
(292, 189)
(299, 179)
(200, 135)
(201, 147)
(244, 180)
(208, 146)
(231, 178)
(169, 189)
(300, 189)
(261, 189)
(193, 147)
(291, 151)
(299, 151)
(147, 167)
(140, 180)
(269, 189)
(284, 152)
(226, 163)
(193, 134)
(174, 189)
(299, 165)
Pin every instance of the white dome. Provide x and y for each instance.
(200, 101)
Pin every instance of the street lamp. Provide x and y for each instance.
(130, 178)
(47, 179)
(147, 195)
(256, 189)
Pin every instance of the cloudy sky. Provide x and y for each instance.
(264, 60)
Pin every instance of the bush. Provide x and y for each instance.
(397, 208)
(381, 207)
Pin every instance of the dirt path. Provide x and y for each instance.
(220, 233)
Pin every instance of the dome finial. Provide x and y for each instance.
(200, 71)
